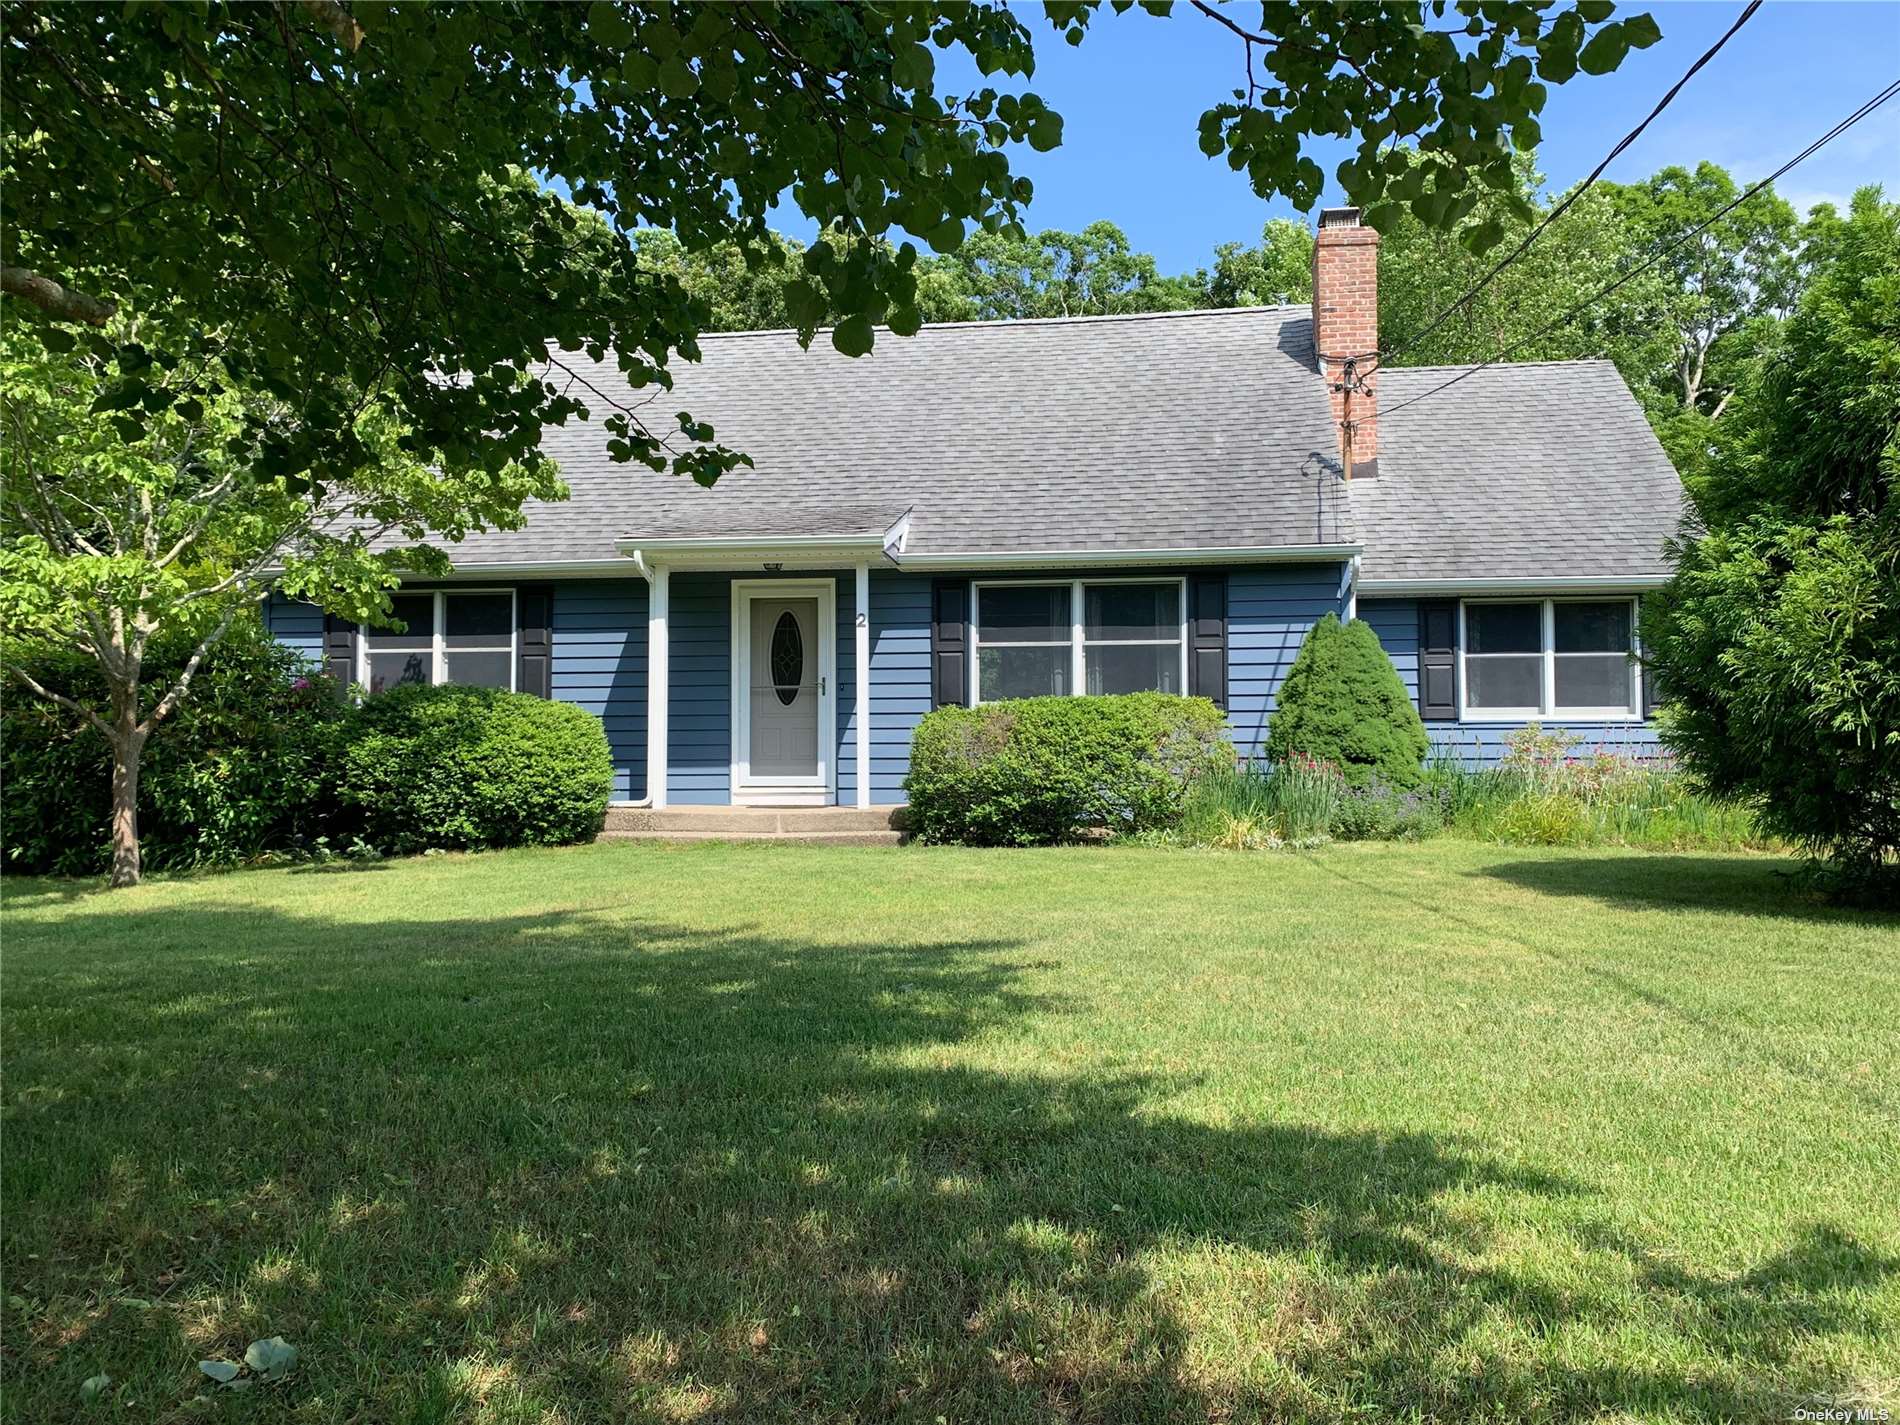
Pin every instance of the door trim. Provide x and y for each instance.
(821, 790)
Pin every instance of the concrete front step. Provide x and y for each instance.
(787, 838)
(884, 824)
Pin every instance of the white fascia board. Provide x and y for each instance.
(1608, 584)
(1110, 558)
(542, 568)
(815, 551)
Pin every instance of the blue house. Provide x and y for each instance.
(1066, 506)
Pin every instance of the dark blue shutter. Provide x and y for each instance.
(1207, 638)
(1438, 660)
(339, 650)
(534, 640)
(950, 643)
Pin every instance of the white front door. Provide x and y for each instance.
(783, 694)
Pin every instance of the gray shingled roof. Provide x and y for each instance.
(1537, 470)
(1176, 430)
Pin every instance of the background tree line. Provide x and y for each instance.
(1684, 335)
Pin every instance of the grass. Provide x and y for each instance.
(627, 1132)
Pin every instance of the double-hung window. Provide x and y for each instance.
(1082, 635)
(450, 636)
(1525, 658)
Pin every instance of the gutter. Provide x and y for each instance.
(1104, 558)
(1617, 583)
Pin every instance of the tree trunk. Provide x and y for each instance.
(128, 747)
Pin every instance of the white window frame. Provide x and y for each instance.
(1547, 682)
(438, 651)
(1079, 643)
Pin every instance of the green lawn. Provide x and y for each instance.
(765, 1133)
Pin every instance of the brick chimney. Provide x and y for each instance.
(1346, 324)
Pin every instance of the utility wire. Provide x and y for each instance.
(1842, 127)
(1386, 357)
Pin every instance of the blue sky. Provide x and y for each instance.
(1130, 96)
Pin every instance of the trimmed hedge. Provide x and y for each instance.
(465, 768)
(1038, 770)
(242, 768)
(1344, 703)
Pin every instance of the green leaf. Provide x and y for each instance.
(1641, 31)
(853, 336)
(946, 236)
(677, 80)
(58, 339)
(223, 1372)
(913, 67)
(92, 1387)
(606, 24)
(639, 70)
(191, 408)
(1484, 236)
(1605, 51)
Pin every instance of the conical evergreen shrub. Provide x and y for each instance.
(1342, 702)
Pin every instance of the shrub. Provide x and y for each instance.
(1343, 703)
(464, 768)
(242, 768)
(1039, 770)
(1381, 813)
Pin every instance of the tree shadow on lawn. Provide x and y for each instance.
(622, 1170)
(1658, 881)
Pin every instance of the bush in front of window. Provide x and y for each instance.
(1033, 771)
(242, 769)
(1343, 703)
(460, 768)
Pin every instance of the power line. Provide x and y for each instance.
(1386, 357)
(1842, 127)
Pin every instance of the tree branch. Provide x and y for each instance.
(60, 303)
(33, 685)
(177, 691)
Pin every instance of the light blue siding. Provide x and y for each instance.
(900, 676)
(600, 663)
(845, 682)
(699, 701)
(295, 625)
(1481, 744)
(1270, 609)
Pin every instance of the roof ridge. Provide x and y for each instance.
(1038, 321)
(1475, 366)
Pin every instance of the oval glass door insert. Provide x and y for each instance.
(788, 658)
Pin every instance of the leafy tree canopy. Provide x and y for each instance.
(1718, 285)
(1278, 272)
(1059, 274)
(1778, 639)
(358, 165)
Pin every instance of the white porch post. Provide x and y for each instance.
(657, 685)
(861, 610)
